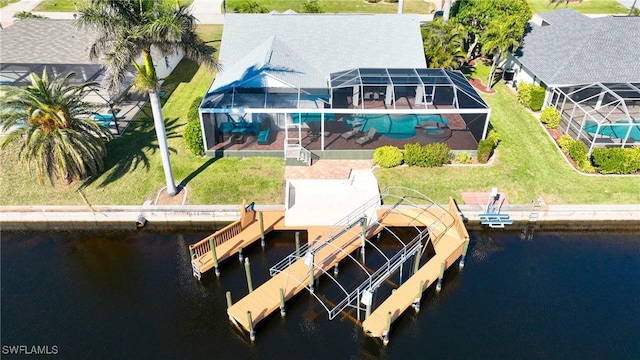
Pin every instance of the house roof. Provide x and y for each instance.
(30, 41)
(311, 46)
(566, 48)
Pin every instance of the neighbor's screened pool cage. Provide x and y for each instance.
(601, 115)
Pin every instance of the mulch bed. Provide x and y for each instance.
(477, 83)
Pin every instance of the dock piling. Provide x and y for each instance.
(308, 260)
(247, 270)
(439, 285)
(385, 335)
(282, 310)
(252, 332)
(240, 256)
(465, 248)
(335, 270)
(214, 255)
(191, 254)
(416, 264)
(416, 302)
(298, 244)
(229, 302)
(261, 219)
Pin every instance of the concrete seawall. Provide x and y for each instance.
(207, 217)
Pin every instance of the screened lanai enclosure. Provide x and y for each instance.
(601, 115)
(359, 110)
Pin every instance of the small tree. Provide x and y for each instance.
(444, 44)
(312, 7)
(501, 36)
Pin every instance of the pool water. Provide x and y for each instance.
(394, 126)
(617, 131)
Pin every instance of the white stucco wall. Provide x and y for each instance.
(165, 64)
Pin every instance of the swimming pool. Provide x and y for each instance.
(615, 131)
(393, 126)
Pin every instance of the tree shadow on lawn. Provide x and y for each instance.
(197, 172)
(129, 152)
(183, 73)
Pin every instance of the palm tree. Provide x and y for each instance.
(501, 36)
(444, 44)
(129, 29)
(46, 119)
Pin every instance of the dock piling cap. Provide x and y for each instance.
(367, 297)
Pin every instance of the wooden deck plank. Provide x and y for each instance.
(325, 258)
(448, 247)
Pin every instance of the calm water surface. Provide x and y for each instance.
(130, 295)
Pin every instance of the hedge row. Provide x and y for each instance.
(193, 132)
(531, 96)
(388, 156)
(616, 160)
(429, 155)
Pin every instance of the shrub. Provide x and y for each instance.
(494, 137)
(387, 156)
(312, 7)
(437, 154)
(412, 154)
(537, 98)
(251, 7)
(531, 96)
(550, 117)
(616, 160)
(429, 155)
(193, 132)
(463, 158)
(524, 93)
(485, 148)
(564, 142)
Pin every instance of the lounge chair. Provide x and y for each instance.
(351, 133)
(366, 138)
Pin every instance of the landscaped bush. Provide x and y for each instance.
(387, 156)
(485, 147)
(193, 132)
(531, 96)
(429, 155)
(550, 117)
(616, 160)
(463, 158)
(564, 142)
(537, 98)
(494, 137)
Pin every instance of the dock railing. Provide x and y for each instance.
(354, 218)
(203, 247)
(382, 274)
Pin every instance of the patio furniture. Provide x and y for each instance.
(237, 139)
(264, 133)
(104, 119)
(366, 138)
(351, 133)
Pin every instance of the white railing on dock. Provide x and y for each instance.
(364, 211)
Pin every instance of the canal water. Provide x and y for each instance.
(130, 295)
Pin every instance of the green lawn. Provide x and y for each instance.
(584, 6)
(527, 165)
(4, 3)
(70, 5)
(344, 6)
(133, 167)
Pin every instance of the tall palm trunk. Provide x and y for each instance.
(158, 123)
(494, 66)
(158, 120)
(446, 10)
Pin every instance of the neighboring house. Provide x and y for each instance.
(590, 68)
(333, 86)
(30, 45)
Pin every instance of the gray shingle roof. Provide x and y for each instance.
(45, 41)
(570, 48)
(313, 45)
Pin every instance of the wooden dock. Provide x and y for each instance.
(266, 299)
(448, 236)
(229, 240)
